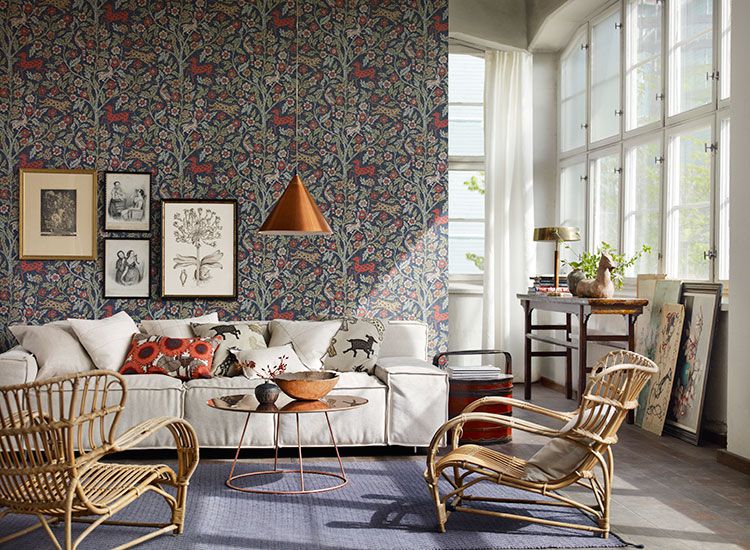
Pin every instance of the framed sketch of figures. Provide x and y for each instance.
(126, 268)
(127, 198)
(199, 248)
(702, 302)
(57, 214)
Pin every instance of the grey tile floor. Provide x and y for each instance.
(668, 494)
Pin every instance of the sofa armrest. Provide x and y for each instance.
(17, 366)
(417, 399)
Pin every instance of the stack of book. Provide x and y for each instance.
(546, 283)
(475, 372)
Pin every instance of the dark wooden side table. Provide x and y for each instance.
(583, 308)
(465, 391)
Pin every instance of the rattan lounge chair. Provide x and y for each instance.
(53, 435)
(578, 453)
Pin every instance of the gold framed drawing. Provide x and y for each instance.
(57, 214)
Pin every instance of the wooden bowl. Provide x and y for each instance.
(307, 386)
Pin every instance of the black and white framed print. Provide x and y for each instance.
(128, 200)
(126, 268)
(199, 248)
(57, 214)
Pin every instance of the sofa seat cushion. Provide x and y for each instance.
(362, 426)
(152, 382)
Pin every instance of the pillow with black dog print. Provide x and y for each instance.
(355, 347)
(235, 335)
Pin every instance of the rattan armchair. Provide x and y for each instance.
(53, 435)
(585, 439)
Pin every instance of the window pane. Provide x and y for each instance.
(605, 200)
(605, 78)
(465, 78)
(465, 130)
(465, 200)
(643, 205)
(464, 238)
(573, 98)
(689, 205)
(643, 81)
(723, 229)
(573, 207)
(726, 49)
(691, 54)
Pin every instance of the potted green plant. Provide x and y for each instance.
(588, 263)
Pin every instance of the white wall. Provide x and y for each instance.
(738, 389)
(488, 23)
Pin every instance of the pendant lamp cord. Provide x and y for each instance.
(296, 87)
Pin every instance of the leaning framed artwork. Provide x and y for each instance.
(126, 268)
(127, 197)
(57, 214)
(199, 248)
(702, 302)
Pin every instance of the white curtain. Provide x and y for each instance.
(509, 199)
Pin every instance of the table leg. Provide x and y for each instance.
(276, 443)
(299, 452)
(527, 349)
(239, 446)
(568, 360)
(582, 349)
(631, 347)
(336, 448)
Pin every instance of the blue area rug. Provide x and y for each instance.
(385, 505)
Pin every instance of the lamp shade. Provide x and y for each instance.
(558, 234)
(295, 213)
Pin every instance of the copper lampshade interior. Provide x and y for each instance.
(560, 234)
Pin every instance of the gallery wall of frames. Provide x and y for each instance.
(186, 110)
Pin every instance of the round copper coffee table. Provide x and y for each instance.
(246, 403)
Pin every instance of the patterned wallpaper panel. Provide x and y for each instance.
(202, 94)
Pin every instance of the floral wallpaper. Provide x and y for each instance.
(202, 94)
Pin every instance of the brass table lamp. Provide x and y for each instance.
(558, 235)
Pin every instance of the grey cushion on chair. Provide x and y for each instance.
(559, 456)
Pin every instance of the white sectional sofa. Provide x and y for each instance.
(408, 400)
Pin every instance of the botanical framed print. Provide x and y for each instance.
(127, 198)
(126, 268)
(57, 214)
(199, 248)
(702, 302)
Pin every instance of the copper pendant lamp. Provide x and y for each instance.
(296, 213)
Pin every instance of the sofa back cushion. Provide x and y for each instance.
(175, 328)
(56, 348)
(106, 340)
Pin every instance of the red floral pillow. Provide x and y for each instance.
(183, 358)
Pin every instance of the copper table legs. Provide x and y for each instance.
(341, 476)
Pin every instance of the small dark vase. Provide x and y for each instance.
(267, 393)
(575, 277)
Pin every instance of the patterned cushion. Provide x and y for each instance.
(183, 358)
(235, 335)
(310, 339)
(355, 346)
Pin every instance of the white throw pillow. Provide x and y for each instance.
(258, 363)
(356, 345)
(106, 340)
(55, 347)
(310, 339)
(560, 457)
(175, 328)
